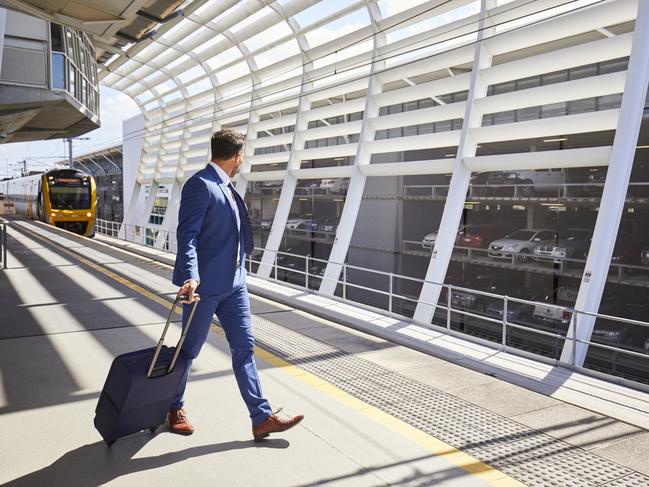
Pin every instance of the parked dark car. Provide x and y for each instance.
(467, 301)
(628, 250)
(556, 320)
(289, 267)
(571, 244)
(614, 333)
(312, 225)
(486, 305)
(617, 333)
(586, 182)
(518, 313)
(328, 224)
(536, 316)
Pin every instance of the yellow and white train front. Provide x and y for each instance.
(70, 201)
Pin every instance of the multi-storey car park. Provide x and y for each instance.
(371, 125)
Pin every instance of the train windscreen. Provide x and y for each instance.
(69, 193)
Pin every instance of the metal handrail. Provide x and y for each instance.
(614, 318)
(448, 306)
(504, 322)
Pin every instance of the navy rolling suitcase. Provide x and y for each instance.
(140, 387)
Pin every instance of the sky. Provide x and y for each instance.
(114, 108)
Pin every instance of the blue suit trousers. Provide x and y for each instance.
(233, 312)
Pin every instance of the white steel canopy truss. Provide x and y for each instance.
(261, 66)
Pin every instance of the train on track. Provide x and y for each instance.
(65, 198)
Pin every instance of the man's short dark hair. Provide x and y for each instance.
(226, 143)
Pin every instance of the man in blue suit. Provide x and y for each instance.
(214, 234)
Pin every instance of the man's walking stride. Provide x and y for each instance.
(214, 235)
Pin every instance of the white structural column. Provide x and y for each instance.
(170, 219)
(129, 214)
(459, 184)
(357, 181)
(614, 194)
(290, 181)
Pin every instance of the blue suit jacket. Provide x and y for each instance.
(207, 235)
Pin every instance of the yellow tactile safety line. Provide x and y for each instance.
(441, 449)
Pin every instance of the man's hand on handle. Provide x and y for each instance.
(188, 289)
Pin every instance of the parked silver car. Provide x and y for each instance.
(522, 242)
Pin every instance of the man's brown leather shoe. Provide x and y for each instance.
(178, 422)
(274, 424)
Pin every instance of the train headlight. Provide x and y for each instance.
(53, 215)
(88, 214)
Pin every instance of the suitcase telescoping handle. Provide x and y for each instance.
(179, 298)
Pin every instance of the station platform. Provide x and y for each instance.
(377, 412)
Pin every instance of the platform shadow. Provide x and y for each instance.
(95, 464)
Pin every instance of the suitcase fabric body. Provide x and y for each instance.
(131, 401)
(138, 393)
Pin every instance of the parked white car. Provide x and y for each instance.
(428, 242)
(522, 242)
(337, 185)
(558, 316)
(300, 222)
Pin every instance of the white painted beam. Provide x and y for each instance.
(459, 184)
(614, 194)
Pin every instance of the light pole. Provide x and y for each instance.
(69, 141)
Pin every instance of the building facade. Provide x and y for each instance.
(496, 146)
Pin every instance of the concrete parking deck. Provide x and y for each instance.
(377, 413)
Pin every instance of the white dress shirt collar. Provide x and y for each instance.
(222, 174)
